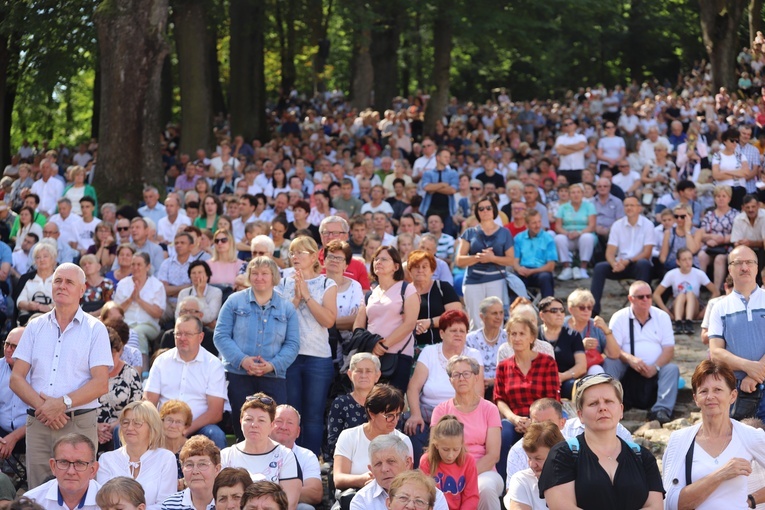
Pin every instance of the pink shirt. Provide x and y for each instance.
(384, 315)
(224, 273)
(477, 423)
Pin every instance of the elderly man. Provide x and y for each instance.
(628, 253)
(61, 369)
(49, 188)
(285, 430)
(336, 228)
(153, 208)
(737, 328)
(191, 373)
(173, 220)
(65, 252)
(388, 456)
(646, 152)
(74, 465)
(425, 162)
(608, 207)
(647, 347)
(194, 306)
(13, 411)
(536, 255)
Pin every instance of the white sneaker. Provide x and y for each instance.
(582, 273)
(577, 273)
(566, 274)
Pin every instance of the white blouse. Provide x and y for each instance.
(158, 475)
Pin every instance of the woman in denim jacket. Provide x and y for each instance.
(258, 337)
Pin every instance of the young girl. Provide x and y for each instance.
(121, 493)
(450, 465)
(686, 282)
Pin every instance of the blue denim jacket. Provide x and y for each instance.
(245, 329)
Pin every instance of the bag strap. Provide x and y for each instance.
(573, 445)
(689, 462)
(440, 290)
(632, 336)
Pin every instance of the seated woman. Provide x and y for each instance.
(596, 335)
(575, 230)
(141, 456)
(113, 316)
(98, 290)
(436, 297)
(200, 274)
(522, 307)
(124, 387)
(430, 384)
(606, 472)
(176, 418)
(523, 487)
(567, 343)
(489, 339)
(37, 294)
(482, 435)
(224, 264)
(347, 411)
(682, 235)
(200, 459)
(261, 456)
(383, 406)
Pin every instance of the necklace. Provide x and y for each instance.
(494, 340)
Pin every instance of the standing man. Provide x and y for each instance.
(752, 156)
(650, 330)
(440, 185)
(570, 148)
(425, 162)
(737, 326)
(335, 228)
(61, 369)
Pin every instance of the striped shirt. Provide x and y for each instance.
(740, 322)
(182, 501)
(753, 157)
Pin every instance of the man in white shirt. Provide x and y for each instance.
(570, 148)
(285, 430)
(69, 225)
(13, 410)
(629, 123)
(388, 456)
(82, 157)
(247, 205)
(21, 258)
(628, 252)
(190, 373)
(646, 152)
(153, 209)
(168, 226)
(626, 179)
(377, 204)
(74, 487)
(88, 224)
(49, 188)
(425, 162)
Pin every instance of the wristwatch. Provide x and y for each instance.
(67, 402)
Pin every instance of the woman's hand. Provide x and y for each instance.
(590, 343)
(104, 433)
(301, 286)
(521, 424)
(600, 323)
(422, 326)
(735, 467)
(380, 349)
(414, 424)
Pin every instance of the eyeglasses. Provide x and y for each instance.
(584, 308)
(624, 166)
(383, 259)
(739, 263)
(474, 188)
(391, 417)
(405, 500)
(10, 346)
(294, 254)
(263, 400)
(135, 423)
(461, 375)
(641, 296)
(331, 233)
(554, 310)
(257, 253)
(188, 311)
(221, 240)
(680, 216)
(199, 466)
(119, 229)
(485, 208)
(185, 334)
(334, 258)
(79, 465)
(173, 422)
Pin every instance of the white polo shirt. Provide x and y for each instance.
(47, 496)
(631, 239)
(372, 497)
(190, 381)
(650, 338)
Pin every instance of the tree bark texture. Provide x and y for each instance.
(362, 77)
(9, 60)
(442, 61)
(131, 37)
(248, 85)
(95, 118)
(720, 20)
(384, 52)
(755, 19)
(194, 74)
(218, 98)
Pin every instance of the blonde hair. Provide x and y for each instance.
(580, 297)
(121, 487)
(305, 243)
(447, 426)
(146, 412)
(230, 255)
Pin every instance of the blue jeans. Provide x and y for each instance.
(510, 436)
(640, 270)
(242, 386)
(308, 382)
(215, 434)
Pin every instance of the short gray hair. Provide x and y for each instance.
(287, 406)
(474, 366)
(68, 265)
(364, 356)
(388, 442)
(108, 206)
(263, 261)
(265, 241)
(334, 219)
(191, 299)
(64, 200)
(44, 245)
(487, 303)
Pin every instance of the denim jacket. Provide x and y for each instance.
(245, 329)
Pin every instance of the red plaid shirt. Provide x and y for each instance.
(519, 391)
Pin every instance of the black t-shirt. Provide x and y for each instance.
(496, 179)
(568, 343)
(636, 476)
(432, 305)
(291, 229)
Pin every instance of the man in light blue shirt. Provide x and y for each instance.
(536, 255)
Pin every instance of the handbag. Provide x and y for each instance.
(594, 357)
(639, 392)
(746, 403)
(389, 360)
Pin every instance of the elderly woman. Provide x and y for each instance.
(436, 297)
(430, 383)
(523, 487)
(350, 295)
(482, 435)
(604, 472)
(596, 335)
(37, 294)
(659, 178)
(391, 312)
(143, 299)
(314, 297)
(383, 406)
(176, 417)
(567, 344)
(575, 230)
(98, 290)
(522, 307)
(260, 455)
(718, 449)
(485, 250)
(348, 411)
(413, 487)
(141, 457)
(200, 459)
(716, 227)
(257, 336)
(124, 387)
(489, 339)
(124, 255)
(224, 264)
(200, 274)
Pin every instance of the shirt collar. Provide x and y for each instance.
(60, 497)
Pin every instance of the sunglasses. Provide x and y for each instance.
(554, 310)
(567, 123)
(123, 229)
(484, 208)
(642, 296)
(263, 400)
(584, 308)
(475, 189)
(221, 240)
(680, 216)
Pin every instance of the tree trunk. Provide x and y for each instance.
(248, 85)
(96, 115)
(720, 20)
(9, 74)
(218, 98)
(285, 21)
(363, 72)
(384, 53)
(194, 74)
(131, 38)
(166, 93)
(442, 61)
(755, 19)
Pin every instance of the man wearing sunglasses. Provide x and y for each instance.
(644, 334)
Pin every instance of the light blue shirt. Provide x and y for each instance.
(13, 410)
(741, 324)
(534, 252)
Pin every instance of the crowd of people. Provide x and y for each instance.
(359, 299)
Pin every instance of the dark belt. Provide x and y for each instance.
(71, 414)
